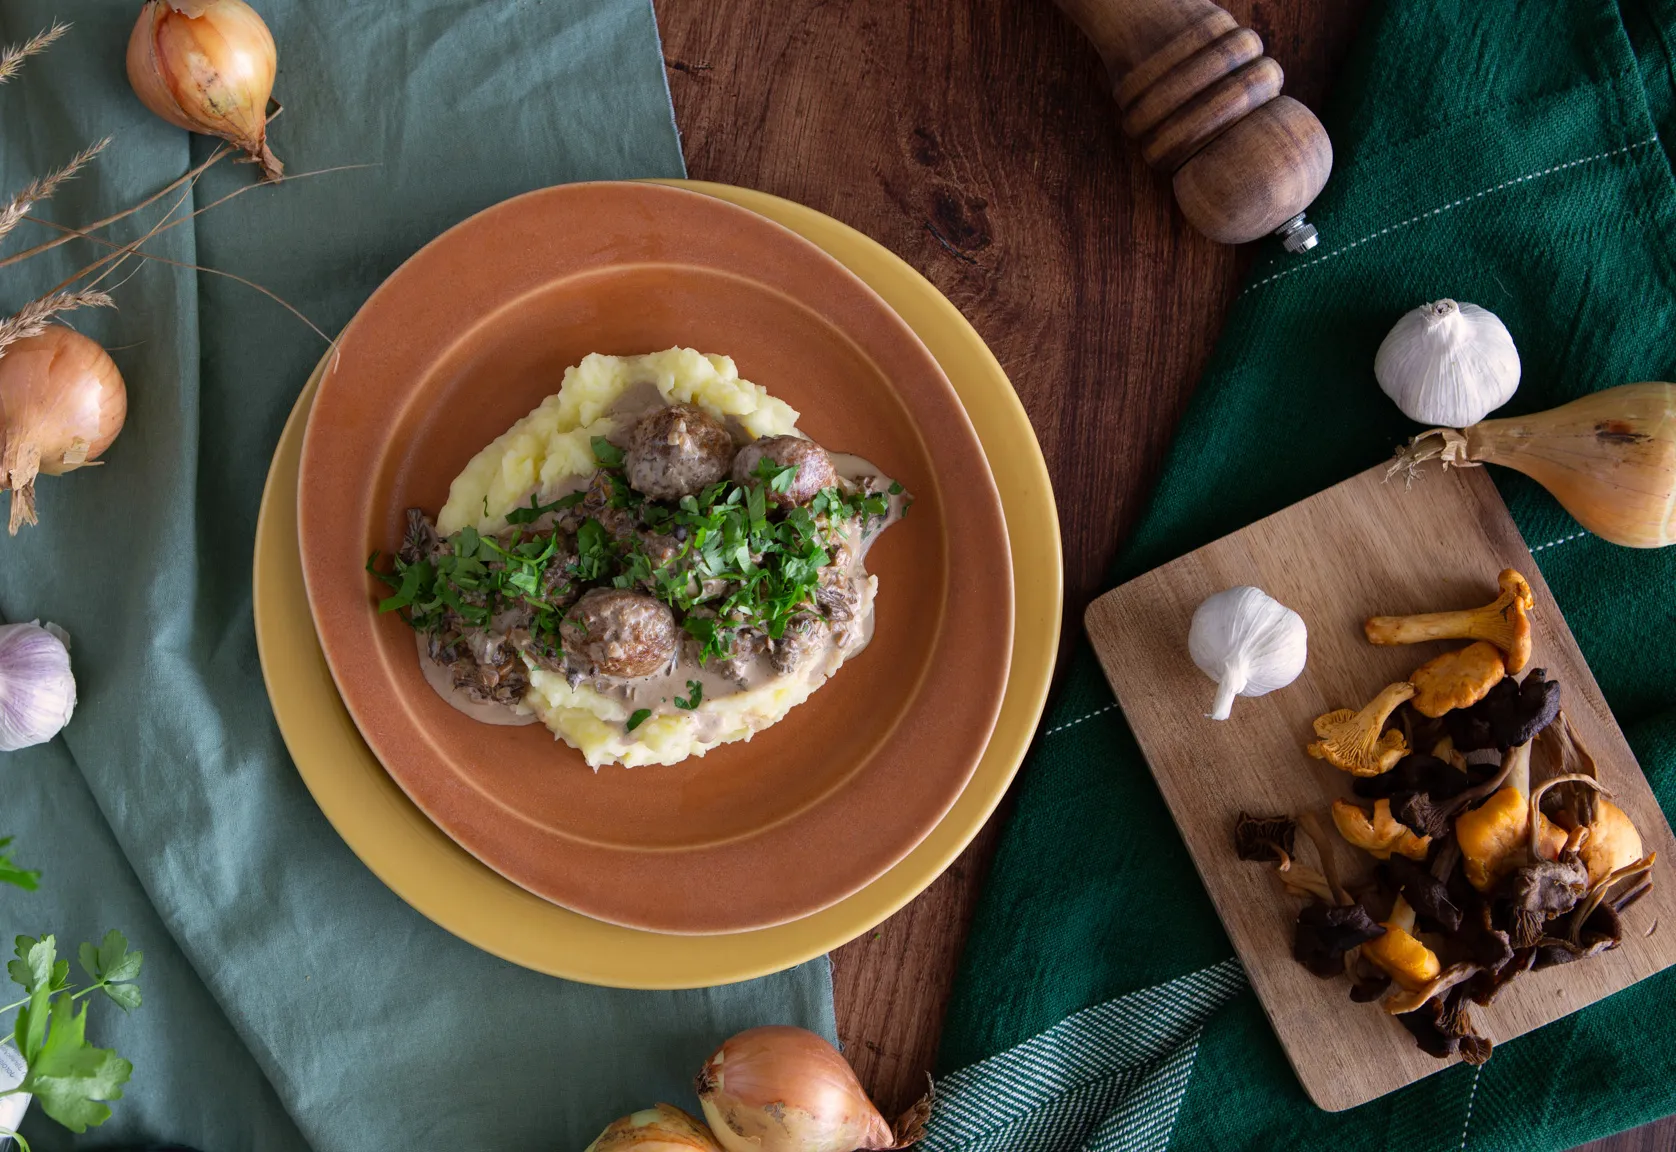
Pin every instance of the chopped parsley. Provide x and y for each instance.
(695, 693)
(536, 510)
(638, 718)
(723, 559)
(607, 453)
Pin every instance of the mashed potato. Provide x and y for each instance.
(593, 724)
(554, 443)
(550, 449)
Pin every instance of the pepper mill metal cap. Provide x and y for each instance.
(1297, 234)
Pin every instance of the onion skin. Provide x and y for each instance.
(1609, 458)
(207, 66)
(782, 1089)
(660, 1128)
(62, 402)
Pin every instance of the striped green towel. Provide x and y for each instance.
(1500, 152)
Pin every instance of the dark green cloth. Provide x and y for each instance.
(292, 1001)
(1502, 153)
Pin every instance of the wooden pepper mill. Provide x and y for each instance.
(1204, 103)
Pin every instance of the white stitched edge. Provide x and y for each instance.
(1471, 1096)
(1561, 540)
(1326, 256)
(1080, 719)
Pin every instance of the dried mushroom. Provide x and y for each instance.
(1457, 679)
(1357, 741)
(1425, 893)
(1269, 840)
(1443, 1027)
(1416, 772)
(1481, 876)
(1503, 622)
(1325, 932)
(1511, 713)
(1380, 834)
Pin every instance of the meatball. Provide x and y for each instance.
(814, 467)
(615, 632)
(676, 452)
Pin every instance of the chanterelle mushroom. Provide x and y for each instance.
(1457, 679)
(1357, 741)
(1408, 962)
(1503, 622)
(1613, 841)
(1495, 836)
(1379, 835)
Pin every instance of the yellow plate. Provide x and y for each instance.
(440, 879)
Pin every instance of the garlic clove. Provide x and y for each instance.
(1249, 643)
(1447, 363)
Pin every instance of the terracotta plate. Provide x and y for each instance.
(469, 335)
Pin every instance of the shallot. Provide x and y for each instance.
(62, 402)
(207, 66)
(783, 1089)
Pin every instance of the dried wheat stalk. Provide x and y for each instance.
(43, 188)
(13, 56)
(67, 296)
(32, 319)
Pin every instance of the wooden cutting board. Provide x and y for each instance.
(1359, 549)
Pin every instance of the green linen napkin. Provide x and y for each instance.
(1499, 152)
(292, 1001)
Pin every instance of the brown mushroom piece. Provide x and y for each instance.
(814, 468)
(677, 451)
(804, 634)
(1325, 932)
(621, 634)
(1270, 840)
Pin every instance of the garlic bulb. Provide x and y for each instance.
(1249, 643)
(37, 691)
(1448, 363)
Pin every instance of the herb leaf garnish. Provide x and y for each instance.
(695, 693)
(725, 550)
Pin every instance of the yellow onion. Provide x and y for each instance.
(207, 66)
(62, 402)
(782, 1089)
(660, 1128)
(1608, 458)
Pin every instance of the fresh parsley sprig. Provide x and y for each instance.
(11, 874)
(74, 1079)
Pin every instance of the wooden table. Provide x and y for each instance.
(976, 139)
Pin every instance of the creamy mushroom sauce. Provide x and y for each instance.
(720, 679)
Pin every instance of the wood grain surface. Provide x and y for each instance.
(1439, 545)
(977, 139)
